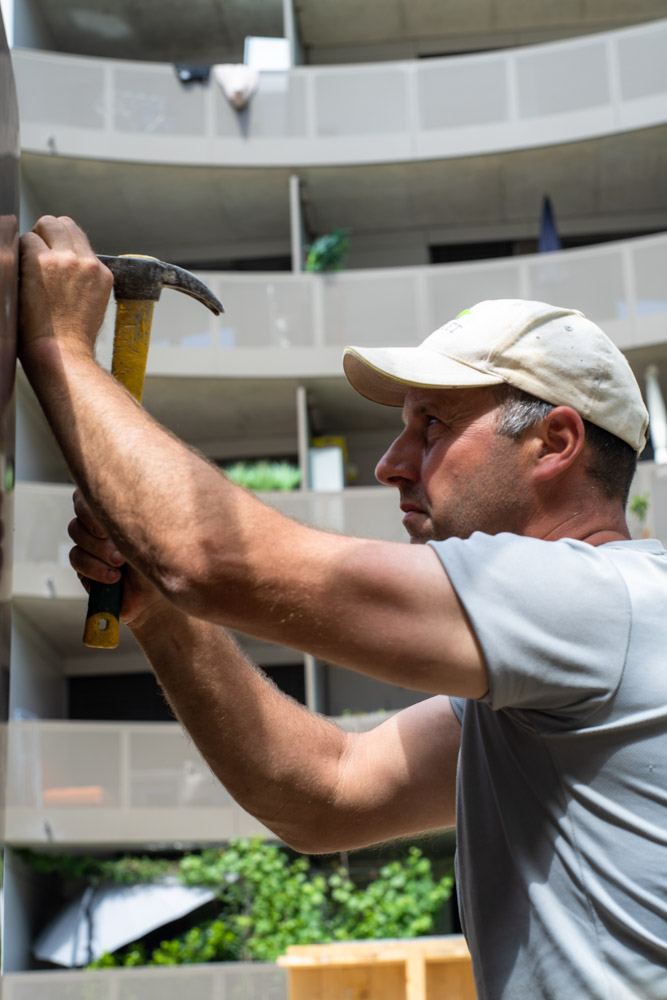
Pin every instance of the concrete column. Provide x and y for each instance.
(310, 676)
(297, 232)
(302, 434)
(291, 32)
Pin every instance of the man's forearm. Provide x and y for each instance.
(279, 761)
(316, 787)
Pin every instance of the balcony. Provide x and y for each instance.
(43, 511)
(242, 980)
(284, 325)
(376, 113)
(110, 784)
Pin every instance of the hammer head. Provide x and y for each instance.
(143, 278)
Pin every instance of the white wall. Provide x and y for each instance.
(37, 456)
(37, 687)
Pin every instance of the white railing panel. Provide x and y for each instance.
(593, 283)
(453, 288)
(167, 770)
(368, 307)
(649, 269)
(60, 766)
(641, 61)
(56, 92)
(463, 92)
(216, 981)
(150, 101)
(559, 79)
(368, 100)
(107, 782)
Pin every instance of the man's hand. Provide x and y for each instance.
(64, 290)
(95, 557)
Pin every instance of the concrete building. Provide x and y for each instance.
(432, 133)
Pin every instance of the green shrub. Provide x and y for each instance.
(264, 475)
(269, 900)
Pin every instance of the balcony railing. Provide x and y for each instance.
(43, 511)
(110, 783)
(436, 108)
(120, 782)
(217, 981)
(308, 319)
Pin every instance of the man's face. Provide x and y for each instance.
(454, 472)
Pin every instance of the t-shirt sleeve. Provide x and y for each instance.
(552, 619)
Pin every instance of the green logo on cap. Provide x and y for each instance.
(464, 312)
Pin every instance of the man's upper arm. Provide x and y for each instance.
(399, 778)
(383, 609)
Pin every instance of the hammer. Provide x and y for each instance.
(138, 282)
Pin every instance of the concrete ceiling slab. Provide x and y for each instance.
(199, 31)
(213, 31)
(185, 214)
(215, 414)
(178, 213)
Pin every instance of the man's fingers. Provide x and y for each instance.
(86, 516)
(61, 233)
(88, 566)
(102, 549)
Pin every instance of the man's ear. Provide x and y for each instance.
(559, 441)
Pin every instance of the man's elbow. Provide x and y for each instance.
(196, 583)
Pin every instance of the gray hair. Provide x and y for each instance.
(612, 462)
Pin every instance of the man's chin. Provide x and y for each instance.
(421, 536)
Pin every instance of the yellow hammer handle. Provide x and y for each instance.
(130, 344)
(128, 366)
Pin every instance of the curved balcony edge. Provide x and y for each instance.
(297, 325)
(325, 116)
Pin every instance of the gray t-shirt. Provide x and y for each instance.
(562, 781)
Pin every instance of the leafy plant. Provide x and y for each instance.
(269, 900)
(328, 253)
(126, 870)
(209, 942)
(264, 475)
(639, 507)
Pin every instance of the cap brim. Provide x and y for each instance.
(384, 374)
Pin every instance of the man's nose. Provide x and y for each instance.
(398, 463)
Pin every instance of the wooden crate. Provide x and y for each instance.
(430, 968)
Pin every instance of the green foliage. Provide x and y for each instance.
(328, 253)
(264, 475)
(400, 903)
(209, 942)
(127, 870)
(639, 507)
(269, 900)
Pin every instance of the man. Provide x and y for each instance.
(530, 607)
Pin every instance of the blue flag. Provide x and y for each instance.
(549, 239)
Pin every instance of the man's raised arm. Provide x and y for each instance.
(212, 549)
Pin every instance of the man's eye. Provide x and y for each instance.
(431, 420)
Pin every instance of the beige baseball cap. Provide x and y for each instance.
(553, 353)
